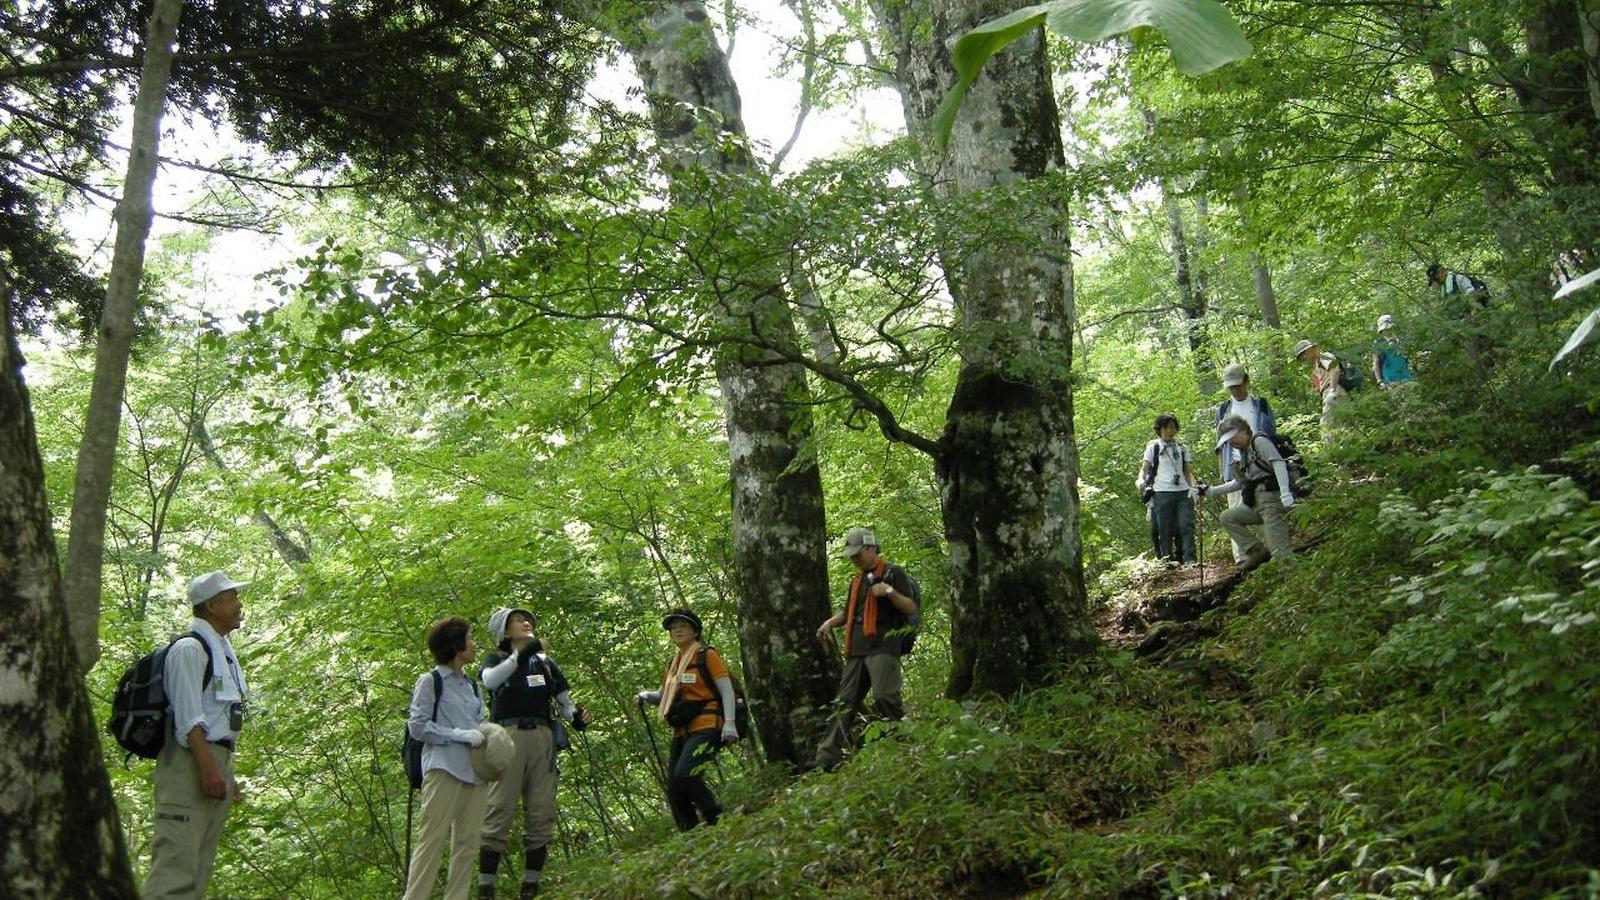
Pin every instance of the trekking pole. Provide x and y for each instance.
(661, 763)
(594, 787)
(1200, 541)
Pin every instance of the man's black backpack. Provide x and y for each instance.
(1351, 378)
(741, 709)
(141, 713)
(410, 747)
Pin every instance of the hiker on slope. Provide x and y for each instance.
(1327, 379)
(1166, 473)
(879, 607)
(1266, 504)
(1253, 408)
(696, 692)
(527, 693)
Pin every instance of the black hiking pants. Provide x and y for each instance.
(687, 794)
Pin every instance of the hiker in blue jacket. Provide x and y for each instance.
(1389, 365)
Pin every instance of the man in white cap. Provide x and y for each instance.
(1389, 365)
(194, 783)
(1326, 379)
(1250, 407)
(877, 616)
(527, 691)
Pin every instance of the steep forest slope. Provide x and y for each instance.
(1412, 711)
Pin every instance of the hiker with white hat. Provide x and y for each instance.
(194, 782)
(1253, 408)
(880, 605)
(1328, 379)
(1389, 365)
(529, 697)
(696, 691)
(446, 712)
(1263, 479)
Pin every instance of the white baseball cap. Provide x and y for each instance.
(211, 584)
(1385, 322)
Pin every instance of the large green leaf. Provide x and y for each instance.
(1201, 33)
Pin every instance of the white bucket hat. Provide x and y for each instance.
(1385, 322)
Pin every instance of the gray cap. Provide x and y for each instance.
(856, 539)
(495, 755)
(501, 616)
(1301, 348)
(1234, 375)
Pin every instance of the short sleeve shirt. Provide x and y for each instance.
(1169, 460)
(692, 686)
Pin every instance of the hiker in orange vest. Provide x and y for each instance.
(695, 691)
(878, 612)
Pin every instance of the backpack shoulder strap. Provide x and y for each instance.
(711, 684)
(206, 678)
(438, 688)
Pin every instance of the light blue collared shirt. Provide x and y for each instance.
(460, 709)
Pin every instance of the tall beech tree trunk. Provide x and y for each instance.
(1007, 463)
(779, 529)
(91, 488)
(59, 831)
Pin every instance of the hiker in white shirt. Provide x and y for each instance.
(194, 771)
(1167, 472)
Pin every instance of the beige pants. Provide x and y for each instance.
(450, 808)
(532, 779)
(1269, 514)
(880, 672)
(188, 824)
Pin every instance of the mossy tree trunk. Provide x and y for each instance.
(1007, 463)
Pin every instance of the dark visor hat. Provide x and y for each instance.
(685, 615)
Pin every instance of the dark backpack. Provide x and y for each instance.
(1351, 378)
(411, 748)
(141, 713)
(741, 709)
(1299, 477)
(907, 631)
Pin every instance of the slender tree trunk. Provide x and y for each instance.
(1007, 463)
(97, 454)
(779, 529)
(59, 831)
(1589, 28)
(1191, 286)
(287, 549)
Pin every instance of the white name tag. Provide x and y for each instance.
(535, 681)
(688, 678)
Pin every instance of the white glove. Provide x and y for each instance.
(1288, 500)
(729, 733)
(472, 737)
(645, 698)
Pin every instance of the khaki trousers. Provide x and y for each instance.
(450, 808)
(188, 824)
(532, 779)
(1270, 515)
(881, 672)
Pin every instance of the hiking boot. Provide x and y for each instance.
(486, 892)
(530, 889)
(1254, 558)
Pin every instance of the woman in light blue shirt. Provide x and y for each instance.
(446, 709)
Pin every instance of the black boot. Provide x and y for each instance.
(486, 891)
(530, 889)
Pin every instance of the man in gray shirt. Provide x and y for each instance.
(194, 771)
